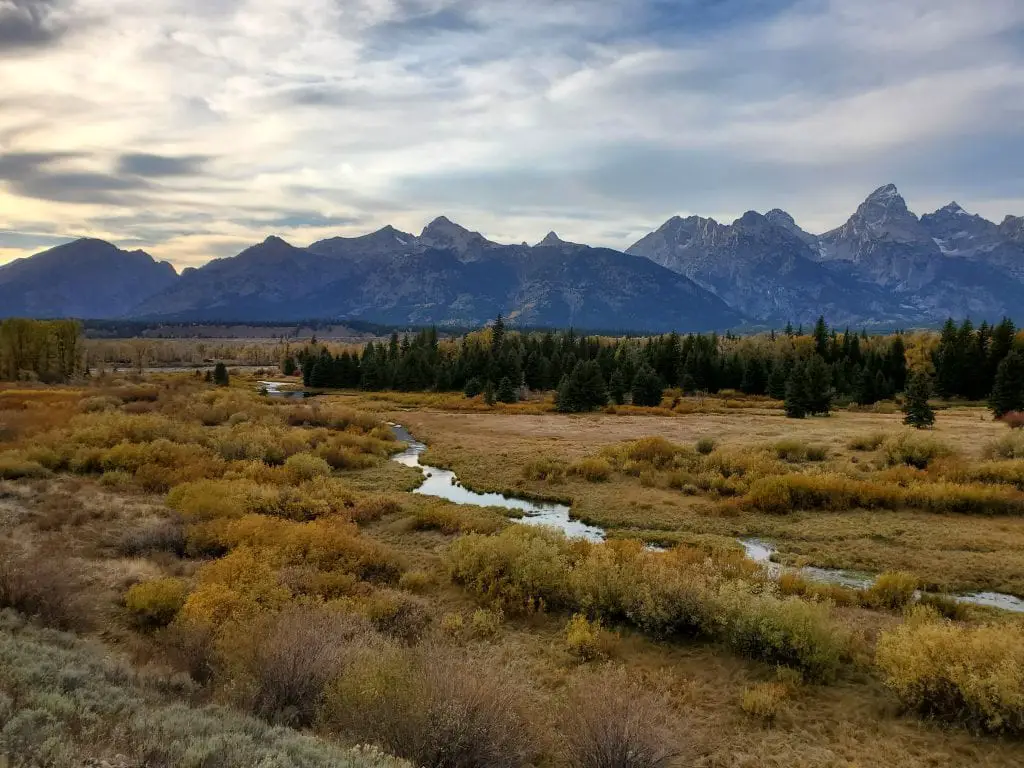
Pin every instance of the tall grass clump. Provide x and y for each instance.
(967, 675)
(1009, 446)
(893, 590)
(868, 442)
(914, 449)
(593, 469)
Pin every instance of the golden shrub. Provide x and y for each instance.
(892, 589)
(973, 676)
(914, 449)
(156, 603)
(584, 639)
(305, 466)
(485, 624)
(594, 469)
(765, 700)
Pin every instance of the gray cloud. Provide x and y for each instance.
(156, 166)
(27, 24)
(46, 176)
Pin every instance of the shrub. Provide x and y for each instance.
(868, 442)
(451, 519)
(523, 567)
(788, 631)
(610, 721)
(594, 470)
(915, 450)
(1009, 446)
(544, 468)
(1013, 419)
(583, 638)
(299, 652)
(16, 467)
(435, 709)
(893, 589)
(415, 581)
(305, 466)
(765, 700)
(971, 676)
(99, 403)
(485, 624)
(155, 603)
(791, 450)
(396, 614)
(706, 445)
(43, 589)
(817, 453)
(771, 495)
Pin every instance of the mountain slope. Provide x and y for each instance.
(86, 278)
(764, 264)
(446, 276)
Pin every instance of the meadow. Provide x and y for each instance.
(201, 575)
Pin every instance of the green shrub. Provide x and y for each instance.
(14, 466)
(914, 449)
(305, 466)
(788, 631)
(972, 676)
(156, 603)
(705, 445)
(1009, 446)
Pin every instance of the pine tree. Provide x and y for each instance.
(288, 366)
(796, 392)
(489, 392)
(617, 387)
(1008, 390)
(777, 380)
(918, 413)
(473, 387)
(820, 335)
(220, 375)
(506, 392)
(647, 388)
(866, 391)
(819, 387)
(321, 375)
(583, 389)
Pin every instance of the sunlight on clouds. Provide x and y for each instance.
(593, 118)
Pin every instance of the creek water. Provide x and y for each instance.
(445, 484)
(761, 551)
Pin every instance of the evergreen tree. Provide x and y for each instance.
(820, 335)
(583, 390)
(796, 392)
(288, 366)
(866, 392)
(473, 387)
(647, 388)
(777, 380)
(220, 375)
(489, 392)
(819, 387)
(321, 375)
(617, 387)
(918, 412)
(506, 392)
(1008, 391)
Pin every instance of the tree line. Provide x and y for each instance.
(43, 350)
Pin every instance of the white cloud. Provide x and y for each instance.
(518, 118)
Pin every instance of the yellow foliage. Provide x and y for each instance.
(156, 602)
(972, 676)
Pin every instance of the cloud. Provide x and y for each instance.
(156, 166)
(192, 124)
(27, 24)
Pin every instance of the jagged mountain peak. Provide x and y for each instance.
(551, 239)
(954, 208)
(887, 194)
(779, 216)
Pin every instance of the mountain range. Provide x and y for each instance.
(884, 266)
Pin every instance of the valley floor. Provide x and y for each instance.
(101, 525)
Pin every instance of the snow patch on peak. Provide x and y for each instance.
(884, 194)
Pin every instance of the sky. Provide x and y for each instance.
(194, 128)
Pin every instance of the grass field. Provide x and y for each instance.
(279, 566)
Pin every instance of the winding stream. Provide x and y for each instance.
(444, 484)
